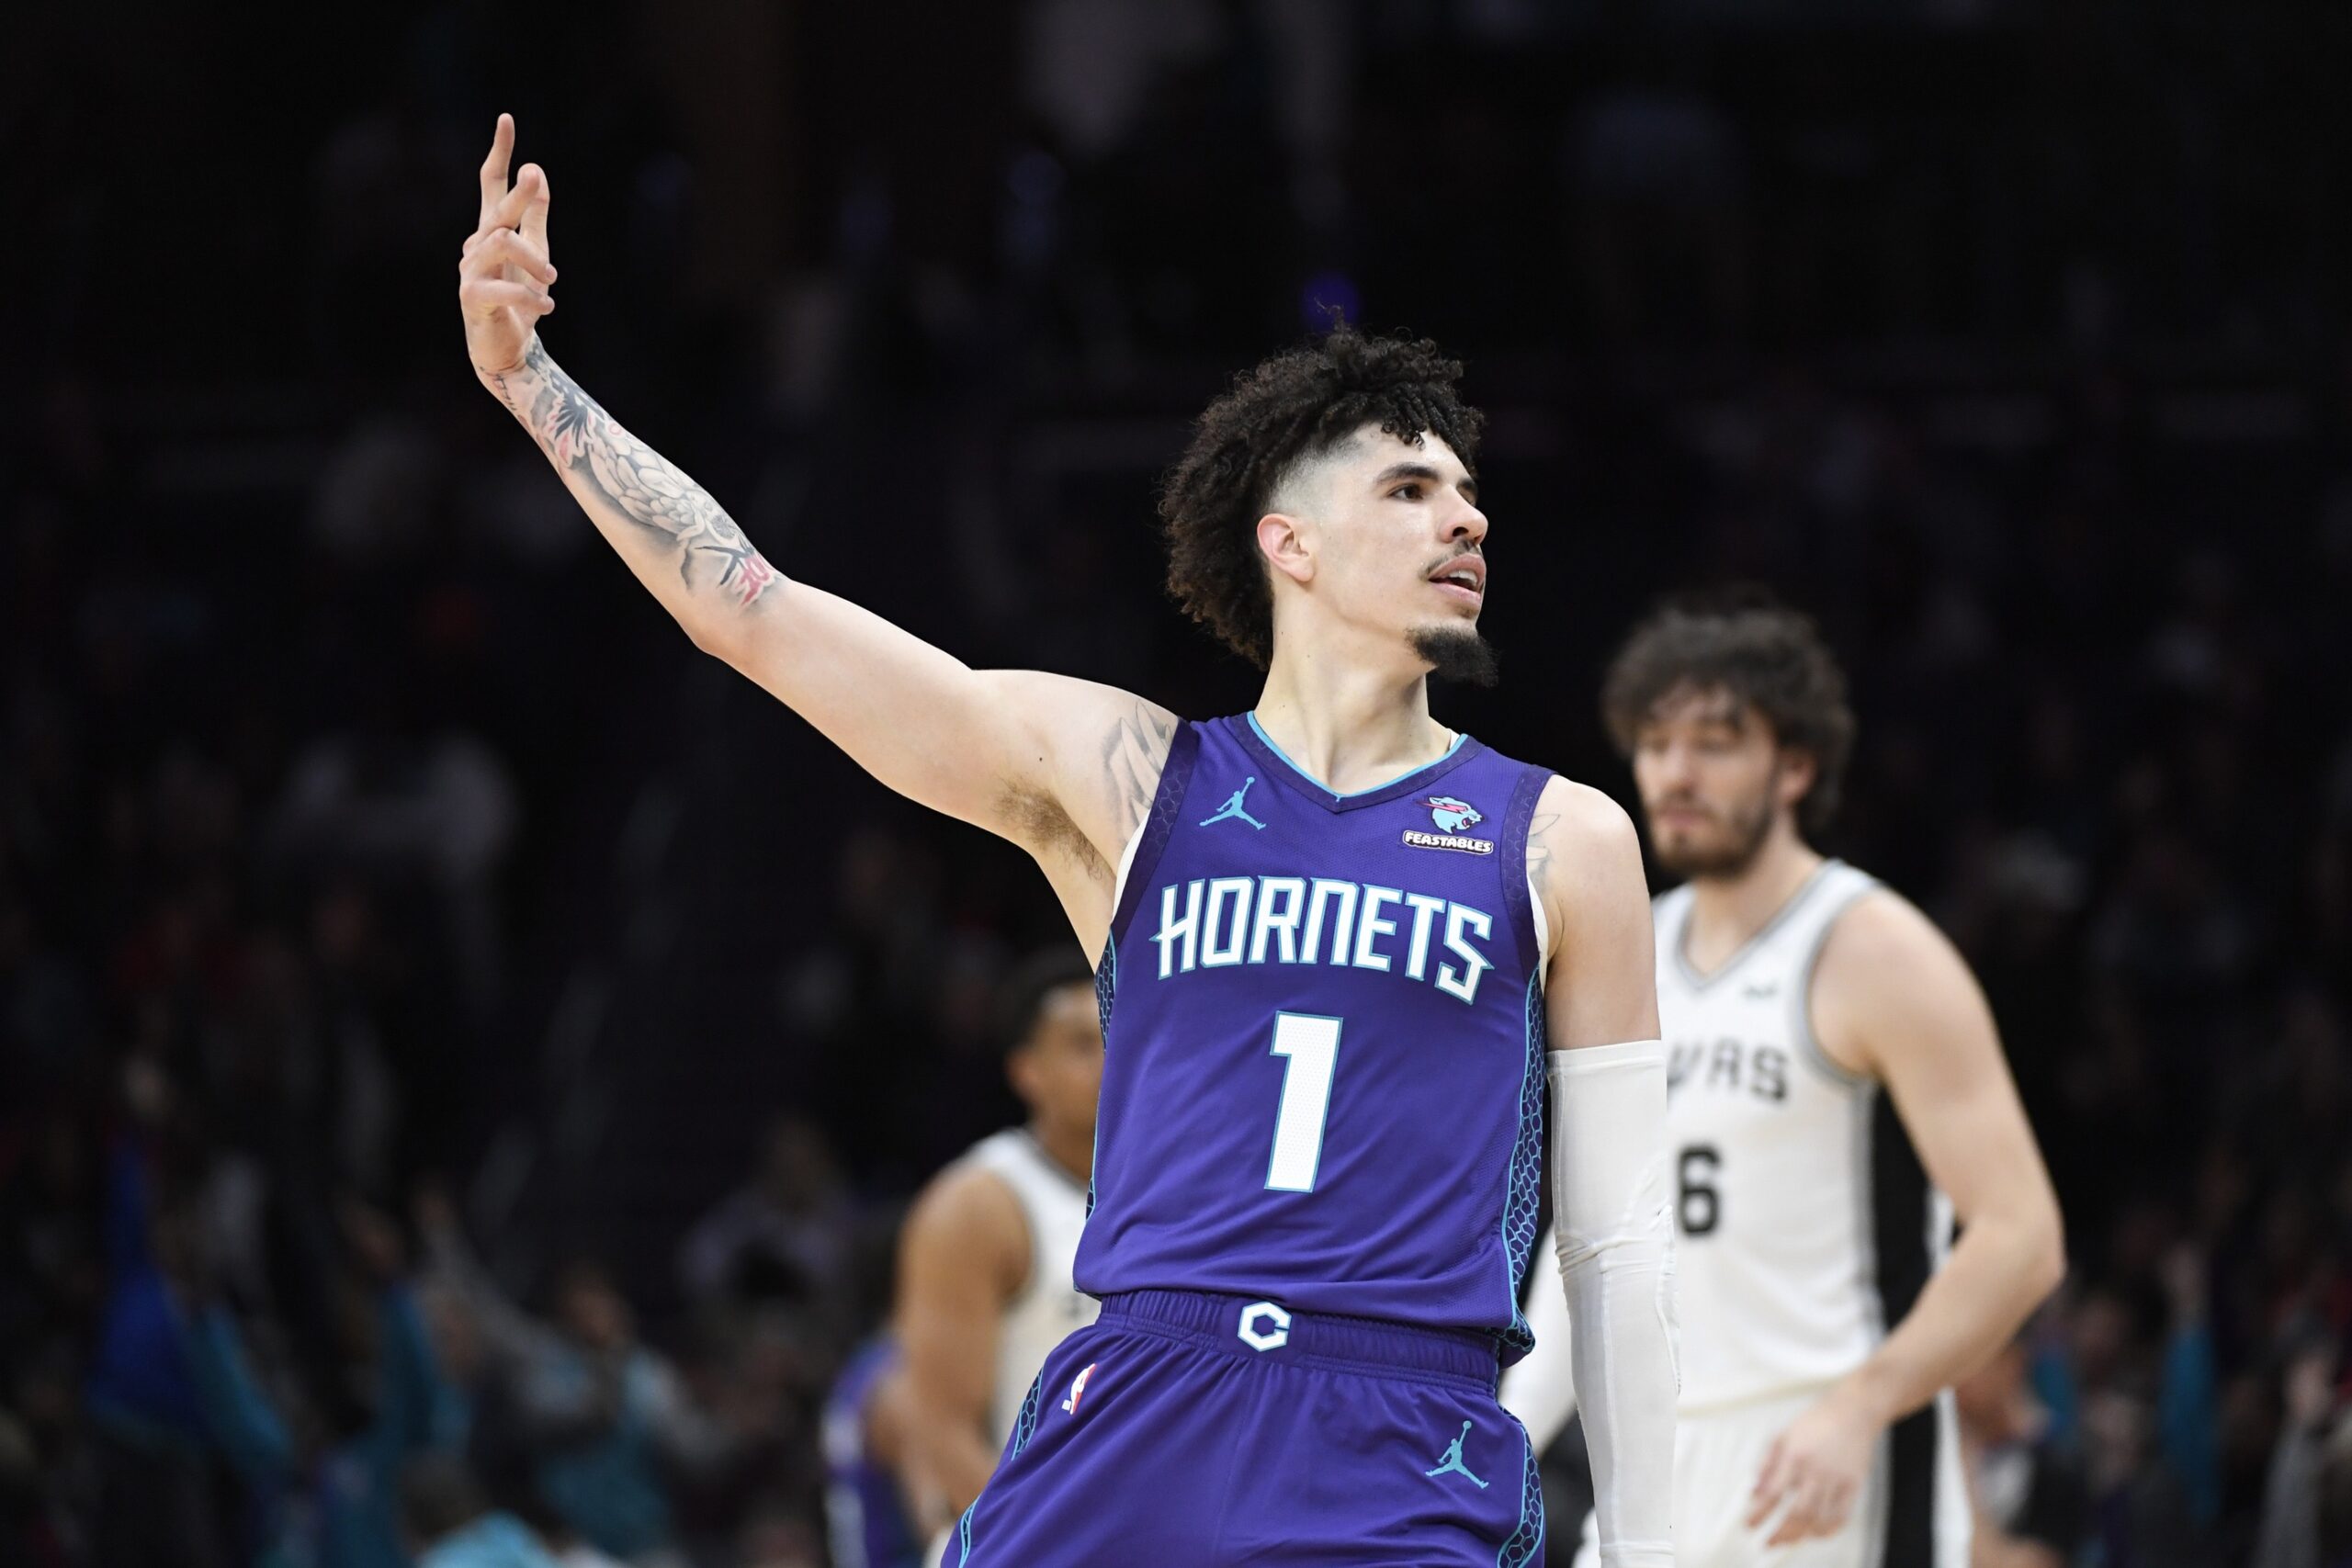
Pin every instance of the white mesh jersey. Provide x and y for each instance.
(1806, 1225)
(1049, 1307)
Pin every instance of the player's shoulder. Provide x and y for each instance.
(1877, 925)
(1583, 854)
(1579, 839)
(1882, 953)
(1005, 1146)
(1892, 988)
(1572, 817)
(967, 1201)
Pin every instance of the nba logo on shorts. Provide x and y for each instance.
(1078, 1388)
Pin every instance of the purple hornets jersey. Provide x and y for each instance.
(1324, 1072)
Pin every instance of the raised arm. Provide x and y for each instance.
(1608, 1162)
(1065, 768)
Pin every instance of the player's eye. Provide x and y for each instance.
(1406, 492)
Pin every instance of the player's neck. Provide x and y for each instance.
(1727, 911)
(1349, 725)
(1067, 1148)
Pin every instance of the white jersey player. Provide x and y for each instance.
(1823, 1041)
(984, 1287)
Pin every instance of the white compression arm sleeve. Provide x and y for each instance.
(1541, 1389)
(1616, 1241)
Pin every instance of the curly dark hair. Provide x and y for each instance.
(1768, 655)
(1292, 407)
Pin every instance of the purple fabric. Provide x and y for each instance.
(1340, 1445)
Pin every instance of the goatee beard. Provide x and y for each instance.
(1458, 653)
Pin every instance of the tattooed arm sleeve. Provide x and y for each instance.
(680, 542)
(1050, 763)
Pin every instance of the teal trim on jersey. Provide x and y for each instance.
(1346, 795)
(1524, 1545)
(1521, 1195)
(1023, 1429)
(1106, 996)
(1027, 1426)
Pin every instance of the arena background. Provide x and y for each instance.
(371, 846)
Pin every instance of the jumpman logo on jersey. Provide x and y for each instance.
(1451, 1463)
(1233, 808)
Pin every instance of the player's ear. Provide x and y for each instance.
(1021, 1072)
(1799, 769)
(1284, 539)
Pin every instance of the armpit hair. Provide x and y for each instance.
(1042, 824)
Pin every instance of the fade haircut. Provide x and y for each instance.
(1291, 409)
(1766, 656)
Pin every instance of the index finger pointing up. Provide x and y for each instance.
(493, 168)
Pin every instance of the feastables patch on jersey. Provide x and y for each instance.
(1452, 815)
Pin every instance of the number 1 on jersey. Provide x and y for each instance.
(1312, 1045)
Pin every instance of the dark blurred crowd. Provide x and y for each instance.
(461, 1054)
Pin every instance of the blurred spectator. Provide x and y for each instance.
(453, 1525)
(2310, 1460)
(786, 1233)
(611, 1421)
(2031, 1498)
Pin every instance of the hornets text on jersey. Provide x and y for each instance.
(1324, 1030)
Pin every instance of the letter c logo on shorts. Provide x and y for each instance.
(1273, 1338)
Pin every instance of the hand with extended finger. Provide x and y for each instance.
(503, 273)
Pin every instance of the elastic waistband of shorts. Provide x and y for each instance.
(1257, 1329)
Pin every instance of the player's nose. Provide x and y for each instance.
(1466, 525)
(1672, 765)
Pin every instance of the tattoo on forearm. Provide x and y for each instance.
(637, 482)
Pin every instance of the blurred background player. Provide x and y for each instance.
(918, 1417)
(1823, 1041)
(1271, 1214)
(864, 1438)
(984, 1268)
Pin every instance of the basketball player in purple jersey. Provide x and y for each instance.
(1336, 942)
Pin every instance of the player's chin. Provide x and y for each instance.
(1454, 651)
(1685, 854)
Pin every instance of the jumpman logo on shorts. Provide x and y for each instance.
(1233, 808)
(1451, 1463)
